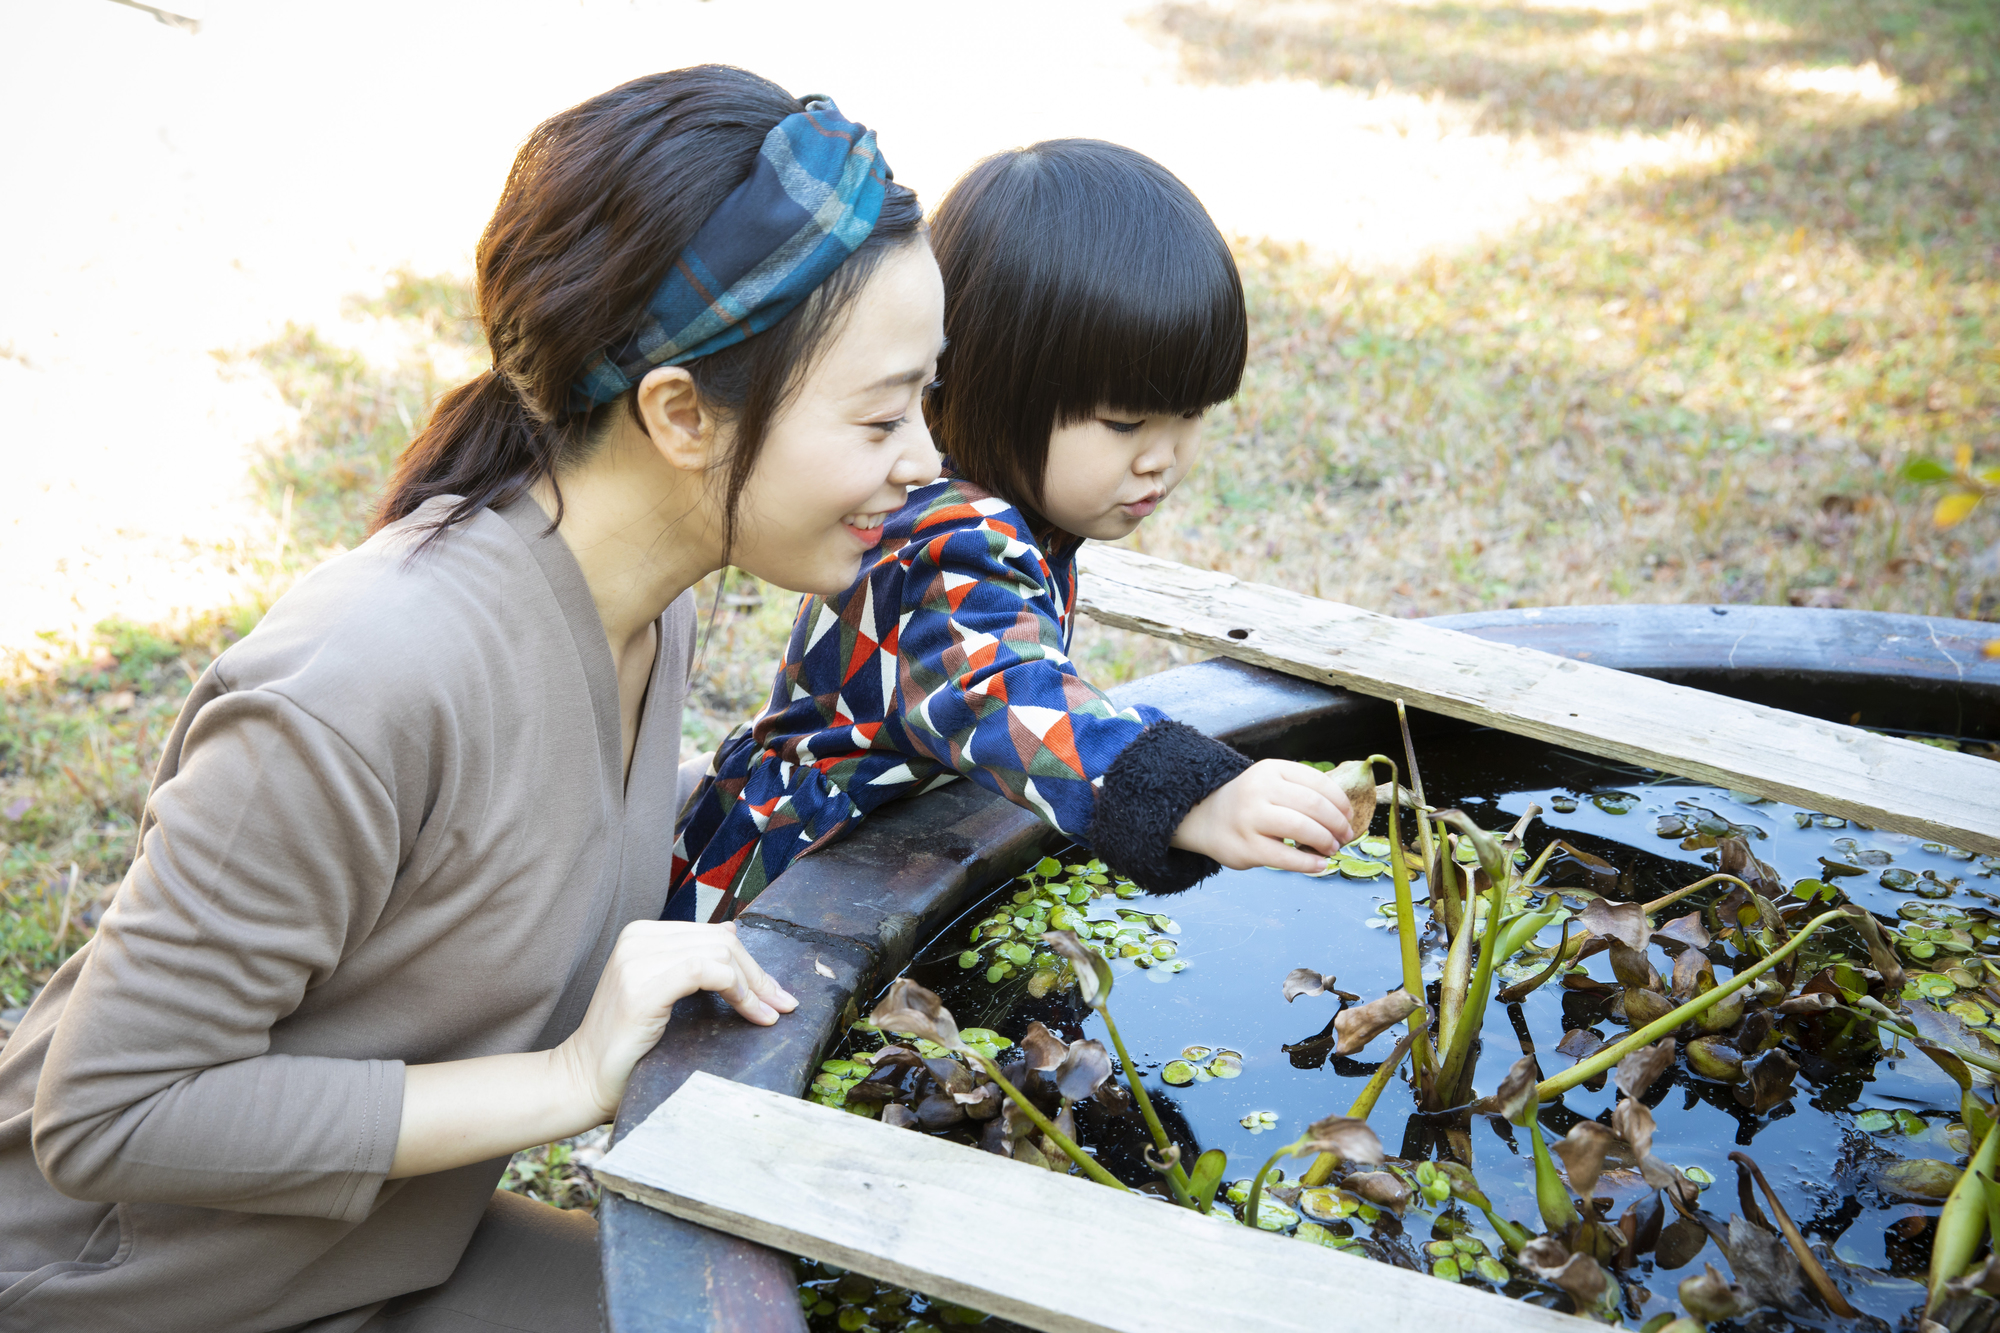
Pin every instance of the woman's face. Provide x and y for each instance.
(1105, 475)
(840, 456)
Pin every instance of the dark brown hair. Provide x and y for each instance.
(600, 202)
(1077, 275)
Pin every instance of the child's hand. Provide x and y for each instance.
(1245, 822)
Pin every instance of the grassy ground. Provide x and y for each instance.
(1696, 385)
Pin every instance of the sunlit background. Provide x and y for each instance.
(1634, 300)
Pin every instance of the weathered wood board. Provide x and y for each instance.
(1881, 781)
(1052, 1252)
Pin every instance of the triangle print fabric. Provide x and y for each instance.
(946, 658)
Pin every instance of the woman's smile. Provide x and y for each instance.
(866, 528)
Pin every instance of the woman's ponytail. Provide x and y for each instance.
(480, 445)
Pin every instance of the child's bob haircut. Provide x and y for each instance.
(1078, 276)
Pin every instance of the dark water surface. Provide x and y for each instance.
(1240, 932)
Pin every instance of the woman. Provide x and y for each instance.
(394, 910)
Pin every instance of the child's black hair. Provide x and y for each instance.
(1078, 275)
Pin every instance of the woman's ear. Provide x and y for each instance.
(681, 429)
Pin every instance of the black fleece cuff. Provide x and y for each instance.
(1168, 770)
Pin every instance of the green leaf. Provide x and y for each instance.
(1925, 469)
(1207, 1174)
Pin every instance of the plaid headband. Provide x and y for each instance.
(810, 202)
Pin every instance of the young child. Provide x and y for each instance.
(1092, 313)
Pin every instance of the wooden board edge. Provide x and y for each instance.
(1484, 1312)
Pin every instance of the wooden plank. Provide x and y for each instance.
(1881, 781)
(1052, 1252)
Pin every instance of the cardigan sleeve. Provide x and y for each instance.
(267, 853)
(988, 690)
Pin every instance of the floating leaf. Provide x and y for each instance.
(1680, 1241)
(1044, 1049)
(1583, 1151)
(1710, 1296)
(1516, 1093)
(1769, 1082)
(1178, 1073)
(1359, 1024)
(1641, 1069)
(1228, 1064)
(1917, 1180)
(914, 1011)
(1304, 981)
(899, 1116)
(1686, 930)
(1577, 1043)
(1623, 922)
(1381, 1188)
(1083, 1070)
(1093, 973)
(1349, 1139)
(1714, 1058)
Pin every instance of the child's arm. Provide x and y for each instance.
(988, 691)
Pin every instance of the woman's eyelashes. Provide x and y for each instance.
(1121, 427)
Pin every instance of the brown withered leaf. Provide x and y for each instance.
(1304, 981)
(1634, 1123)
(1881, 954)
(1380, 1188)
(1686, 930)
(1803, 1006)
(1572, 863)
(1582, 1152)
(1589, 985)
(1767, 1082)
(1680, 1241)
(1764, 1264)
(1578, 1043)
(1578, 1274)
(1622, 922)
(1634, 969)
(1693, 974)
(1642, 1006)
(1345, 1137)
(1737, 860)
(1642, 1068)
(1359, 1024)
(1086, 1066)
(1711, 1297)
(1516, 1092)
(899, 1116)
(1093, 974)
(951, 1076)
(940, 1110)
(911, 1010)
(1044, 1049)
(983, 1102)
(1356, 780)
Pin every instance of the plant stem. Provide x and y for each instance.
(1962, 1221)
(1041, 1122)
(1455, 1055)
(1257, 1182)
(1177, 1180)
(1551, 1088)
(1678, 894)
(1321, 1170)
(1551, 1194)
(1406, 919)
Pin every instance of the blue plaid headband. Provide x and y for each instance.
(810, 202)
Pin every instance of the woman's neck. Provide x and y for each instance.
(637, 531)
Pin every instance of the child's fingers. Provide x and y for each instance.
(1314, 805)
(1278, 822)
(1278, 856)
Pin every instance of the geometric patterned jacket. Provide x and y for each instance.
(946, 659)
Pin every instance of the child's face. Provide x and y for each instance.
(1103, 476)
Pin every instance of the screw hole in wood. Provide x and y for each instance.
(1239, 634)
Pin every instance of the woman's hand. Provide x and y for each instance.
(475, 1110)
(1245, 822)
(654, 964)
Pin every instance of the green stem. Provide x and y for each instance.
(1883, 1016)
(1041, 1122)
(1541, 864)
(1460, 1048)
(1962, 1221)
(1177, 1180)
(1679, 894)
(1257, 1181)
(1321, 1170)
(1551, 1088)
(1406, 916)
(1551, 1194)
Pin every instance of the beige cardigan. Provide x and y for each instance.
(388, 828)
